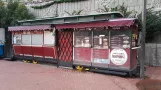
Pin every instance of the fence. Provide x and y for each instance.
(153, 54)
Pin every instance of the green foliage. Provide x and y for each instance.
(43, 6)
(1, 3)
(74, 12)
(22, 13)
(153, 24)
(12, 12)
(121, 8)
(153, 19)
(10, 18)
(2, 14)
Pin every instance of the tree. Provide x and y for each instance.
(22, 13)
(9, 14)
(153, 24)
(2, 14)
(13, 11)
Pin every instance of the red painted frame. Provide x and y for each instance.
(41, 51)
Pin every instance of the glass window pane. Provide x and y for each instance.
(49, 38)
(37, 39)
(120, 39)
(26, 39)
(100, 38)
(83, 39)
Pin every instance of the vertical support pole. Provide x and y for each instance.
(142, 62)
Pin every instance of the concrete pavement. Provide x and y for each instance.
(16, 75)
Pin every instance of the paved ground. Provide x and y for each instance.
(26, 76)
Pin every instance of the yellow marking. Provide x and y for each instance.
(25, 61)
(87, 69)
(134, 36)
(79, 68)
(35, 62)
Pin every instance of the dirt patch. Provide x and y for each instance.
(149, 84)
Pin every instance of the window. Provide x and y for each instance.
(49, 38)
(37, 39)
(82, 39)
(17, 39)
(120, 39)
(100, 38)
(26, 39)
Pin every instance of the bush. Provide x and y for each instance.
(153, 24)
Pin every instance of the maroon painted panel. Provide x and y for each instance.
(101, 53)
(134, 58)
(120, 59)
(50, 52)
(27, 50)
(101, 58)
(37, 51)
(17, 50)
(82, 55)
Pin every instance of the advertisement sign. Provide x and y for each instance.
(118, 56)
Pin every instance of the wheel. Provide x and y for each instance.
(79, 68)
(25, 61)
(34, 62)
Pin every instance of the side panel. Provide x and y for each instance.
(82, 56)
(17, 49)
(100, 58)
(27, 51)
(134, 58)
(50, 52)
(37, 51)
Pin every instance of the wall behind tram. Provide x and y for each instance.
(89, 7)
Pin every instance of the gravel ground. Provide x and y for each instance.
(16, 75)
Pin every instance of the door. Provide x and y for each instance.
(65, 48)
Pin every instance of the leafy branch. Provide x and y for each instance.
(121, 8)
(74, 12)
